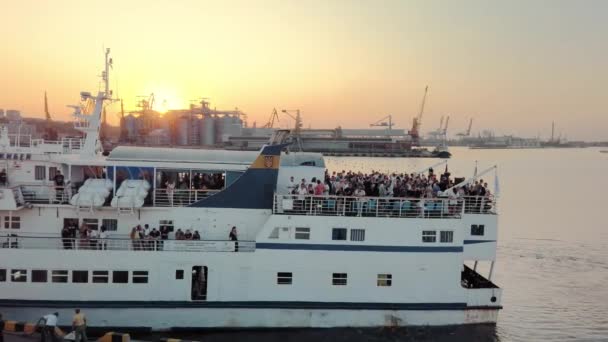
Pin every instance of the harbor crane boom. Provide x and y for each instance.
(386, 121)
(415, 131)
(468, 131)
(273, 116)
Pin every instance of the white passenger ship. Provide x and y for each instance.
(300, 262)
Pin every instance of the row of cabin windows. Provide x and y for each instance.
(78, 276)
(342, 233)
(40, 172)
(303, 233)
(16, 156)
(14, 222)
(337, 279)
(445, 236)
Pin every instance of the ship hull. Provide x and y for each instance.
(168, 318)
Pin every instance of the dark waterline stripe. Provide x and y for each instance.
(240, 305)
(358, 248)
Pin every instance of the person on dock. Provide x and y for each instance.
(50, 323)
(79, 325)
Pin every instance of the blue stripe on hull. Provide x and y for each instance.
(470, 242)
(358, 248)
(240, 305)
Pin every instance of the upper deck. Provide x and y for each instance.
(432, 208)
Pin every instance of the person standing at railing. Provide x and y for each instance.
(196, 235)
(103, 237)
(164, 235)
(59, 186)
(3, 178)
(134, 238)
(170, 189)
(93, 234)
(233, 237)
(154, 237)
(65, 238)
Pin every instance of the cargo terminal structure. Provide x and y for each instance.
(203, 126)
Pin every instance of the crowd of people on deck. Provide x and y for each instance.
(142, 237)
(83, 237)
(377, 184)
(199, 181)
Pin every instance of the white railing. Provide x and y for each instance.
(65, 145)
(50, 194)
(179, 197)
(380, 206)
(46, 194)
(113, 244)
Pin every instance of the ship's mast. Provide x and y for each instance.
(90, 123)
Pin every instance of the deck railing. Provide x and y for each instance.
(50, 194)
(115, 244)
(179, 197)
(381, 206)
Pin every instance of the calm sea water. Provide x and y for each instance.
(552, 251)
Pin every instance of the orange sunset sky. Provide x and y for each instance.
(514, 66)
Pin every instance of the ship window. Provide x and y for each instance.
(100, 277)
(477, 229)
(140, 277)
(338, 234)
(179, 274)
(274, 234)
(18, 276)
(120, 277)
(302, 233)
(80, 276)
(446, 236)
(165, 223)
(90, 223)
(39, 172)
(59, 276)
(2, 275)
(357, 235)
(39, 276)
(429, 236)
(385, 279)
(12, 222)
(110, 224)
(52, 172)
(339, 279)
(284, 278)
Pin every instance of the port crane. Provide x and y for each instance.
(296, 134)
(273, 116)
(386, 121)
(467, 132)
(417, 122)
(49, 132)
